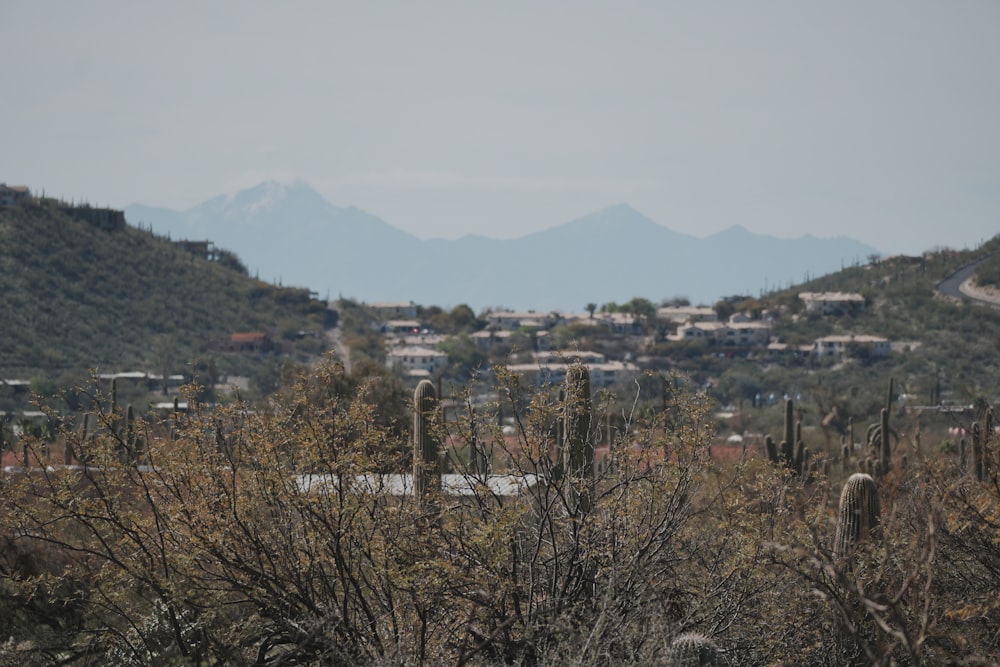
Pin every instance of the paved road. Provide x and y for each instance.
(952, 285)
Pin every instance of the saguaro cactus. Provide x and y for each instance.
(981, 457)
(693, 649)
(988, 448)
(478, 459)
(859, 514)
(578, 446)
(788, 444)
(977, 452)
(129, 439)
(426, 467)
(885, 453)
(880, 435)
(791, 451)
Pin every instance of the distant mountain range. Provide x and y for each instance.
(289, 233)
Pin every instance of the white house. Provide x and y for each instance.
(851, 346)
(621, 324)
(746, 333)
(568, 357)
(832, 302)
(486, 339)
(416, 360)
(735, 333)
(507, 320)
(696, 331)
(550, 368)
(686, 314)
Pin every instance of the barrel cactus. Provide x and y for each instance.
(859, 513)
(693, 649)
(426, 468)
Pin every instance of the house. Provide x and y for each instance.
(410, 326)
(736, 333)
(416, 361)
(621, 324)
(568, 357)
(851, 346)
(705, 331)
(779, 348)
(830, 303)
(253, 341)
(13, 194)
(746, 333)
(486, 339)
(550, 368)
(506, 320)
(680, 314)
(203, 249)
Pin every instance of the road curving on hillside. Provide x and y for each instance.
(962, 285)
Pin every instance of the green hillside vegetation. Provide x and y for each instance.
(77, 296)
(944, 350)
(988, 273)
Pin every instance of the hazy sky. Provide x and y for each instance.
(876, 120)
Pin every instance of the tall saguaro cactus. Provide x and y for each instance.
(981, 457)
(788, 444)
(578, 445)
(426, 467)
(791, 452)
(478, 458)
(988, 435)
(977, 452)
(129, 439)
(880, 435)
(859, 513)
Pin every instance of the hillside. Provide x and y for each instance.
(81, 294)
(943, 349)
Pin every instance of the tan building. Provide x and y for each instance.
(829, 303)
(13, 194)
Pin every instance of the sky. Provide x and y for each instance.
(874, 120)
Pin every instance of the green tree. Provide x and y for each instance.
(464, 357)
(464, 320)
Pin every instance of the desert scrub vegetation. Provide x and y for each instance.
(289, 534)
(79, 297)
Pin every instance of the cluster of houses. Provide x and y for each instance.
(414, 351)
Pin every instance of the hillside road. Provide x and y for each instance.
(960, 285)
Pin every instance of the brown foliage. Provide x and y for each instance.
(274, 537)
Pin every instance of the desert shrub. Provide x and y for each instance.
(278, 536)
